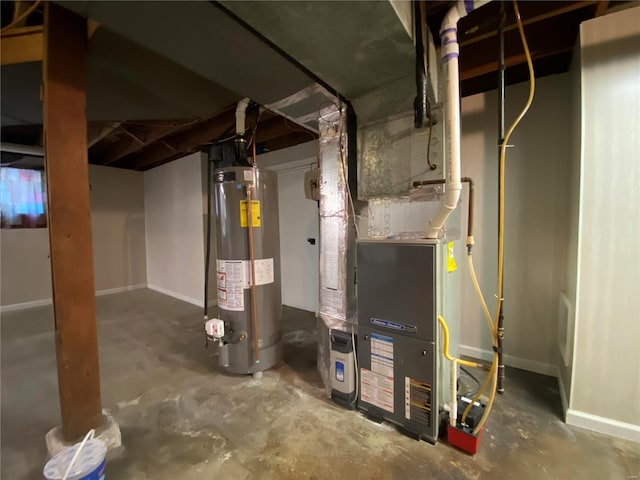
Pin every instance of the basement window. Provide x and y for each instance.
(22, 198)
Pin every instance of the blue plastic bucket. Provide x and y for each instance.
(89, 465)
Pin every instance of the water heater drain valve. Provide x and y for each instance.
(214, 328)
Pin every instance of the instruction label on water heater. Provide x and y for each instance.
(234, 276)
(264, 272)
(231, 280)
(255, 214)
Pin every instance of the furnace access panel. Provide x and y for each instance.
(396, 334)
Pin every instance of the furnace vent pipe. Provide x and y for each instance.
(241, 113)
(450, 51)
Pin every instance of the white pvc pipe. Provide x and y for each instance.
(241, 111)
(450, 51)
(453, 411)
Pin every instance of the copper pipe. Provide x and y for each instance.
(254, 148)
(254, 310)
(468, 180)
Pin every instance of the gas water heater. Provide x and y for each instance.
(247, 269)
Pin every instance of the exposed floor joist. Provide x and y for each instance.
(141, 145)
(21, 45)
(551, 28)
(479, 58)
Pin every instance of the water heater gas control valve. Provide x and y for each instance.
(214, 328)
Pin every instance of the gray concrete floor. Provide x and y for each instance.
(182, 418)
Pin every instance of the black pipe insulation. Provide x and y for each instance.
(208, 247)
(420, 102)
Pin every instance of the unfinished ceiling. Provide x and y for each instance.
(162, 77)
(124, 81)
(354, 46)
(143, 109)
(551, 28)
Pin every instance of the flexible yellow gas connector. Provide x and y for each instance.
(493, 373)
(445, 348)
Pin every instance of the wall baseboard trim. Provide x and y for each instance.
(110, 291)
(23, 306)
(614, 428)
(180, 296)
(516, 362)
(48, 301)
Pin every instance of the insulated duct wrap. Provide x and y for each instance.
(336, 226)
(403, 216)
(391, 156)
(337, 236)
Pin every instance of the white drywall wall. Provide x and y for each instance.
(606, 370)
(535, 210)
(572, 185)
(117, 217)
(25, 267)
(299, 220)
(174, 228)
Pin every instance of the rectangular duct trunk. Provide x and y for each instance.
(337, 235)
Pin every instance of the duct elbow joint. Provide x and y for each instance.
(432, 231)
(241, 112)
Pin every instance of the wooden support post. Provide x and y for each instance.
(65, 130)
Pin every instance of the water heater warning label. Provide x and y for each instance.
(231, 280)
(264, 272)
(234, 276)
(255, 213)
(376, 389)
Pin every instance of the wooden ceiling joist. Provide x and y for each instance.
(188, 140)
(275, 128)
(601, 8)
(272, 130)
(479, 59)
(22, 44)
(133, 139)
(531, 13)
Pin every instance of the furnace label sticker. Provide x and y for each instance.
(417, 401)
(231, 279)
(255, 213)
(376, 389)
(382, 355)
(264, 272)
(452, 266)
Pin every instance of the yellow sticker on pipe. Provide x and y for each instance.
(451, 261)
(255, 213)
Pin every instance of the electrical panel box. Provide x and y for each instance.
(397, 334)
